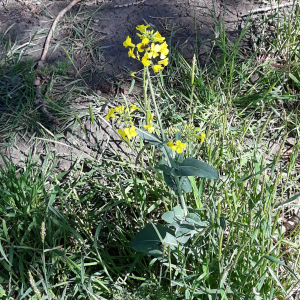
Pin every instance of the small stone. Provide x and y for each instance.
(290, 141)
(37, 82)
(254, 77)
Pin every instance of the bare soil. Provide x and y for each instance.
(180, 21)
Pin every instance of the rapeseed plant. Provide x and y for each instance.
(178, 147)
(188, 133)
(153, 46)
(155, 51)
(124, 114)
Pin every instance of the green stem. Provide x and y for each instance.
(182, 201)
(147, 105)
(179, 191)
(156, 108)
(193, 87)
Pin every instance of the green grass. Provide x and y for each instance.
(93, 211)
(61, 83)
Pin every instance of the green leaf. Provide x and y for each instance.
(183, 239)
(98, 230)
(195, 219)
(193, 167)
(53, 195)
(277, 261)
(169, 181)
(277, 280)
(185, 184)
(5, 231)
(274, 259)
(149, 137)
(295, 197)
(179, 212)
(82, 271)
(167, 151)
(171, 240)
(163, 168)
(294, 79)
(169, 217)
(184, 229)
(2, 291)
(223, 223)
(244, 178)
(3, 254)
(132, 86)
(147, 239)
(174, 217)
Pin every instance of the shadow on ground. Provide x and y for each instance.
(92, 36)
(110, 22)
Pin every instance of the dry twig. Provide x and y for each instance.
(129, 4)
(265, 9)
(39, 100)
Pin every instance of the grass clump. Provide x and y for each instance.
(17, 96)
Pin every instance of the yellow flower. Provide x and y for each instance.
(202, 137)
(149, 127)
(158, 38)
(110, 114)
(142, 28)
(130, 132)
(178, 147)
(130, 53)
(151, 117)
(155, 48)
(164, 62)
(120, 109)
(157, 68)
(133, 108)
(138, 55)
(143, 45)
(122, 133)
(145, 60)
(164, 50)
(128, 43)
(132, 74)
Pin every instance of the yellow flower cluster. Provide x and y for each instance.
(148, 45)
(178, 147)
(171, 131)
(201, 137)
(122, 112)
(189, 133)
(125, 114)
(127, 133)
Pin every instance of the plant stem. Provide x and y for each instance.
(193, 87)
(145, 86)
(156, 108)
(179, 191)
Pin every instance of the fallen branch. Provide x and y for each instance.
(39, 100)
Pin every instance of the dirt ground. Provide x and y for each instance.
(110, 23)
